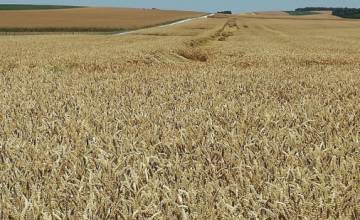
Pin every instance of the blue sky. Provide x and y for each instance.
(200, 5)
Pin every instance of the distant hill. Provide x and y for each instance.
(353, 13)
(300, 13)
(7, 7)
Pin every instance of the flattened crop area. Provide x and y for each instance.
(87, 19)
(220, 118)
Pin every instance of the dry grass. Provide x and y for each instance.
(113, 127)
(87, 18)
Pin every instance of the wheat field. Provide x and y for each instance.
(89, 18)
(221, 118)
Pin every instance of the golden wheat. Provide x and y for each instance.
(135, 127)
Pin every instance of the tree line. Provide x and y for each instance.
(225, 12)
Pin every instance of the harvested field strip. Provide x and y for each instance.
(290, 17)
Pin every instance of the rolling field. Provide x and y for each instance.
(293, 15)
(218, 118)
(10, 7)
(87, 19)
